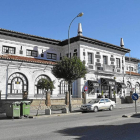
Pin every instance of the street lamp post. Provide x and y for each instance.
(79, 15)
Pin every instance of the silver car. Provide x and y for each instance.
(98, 104)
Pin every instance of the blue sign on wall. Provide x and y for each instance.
(135, 96)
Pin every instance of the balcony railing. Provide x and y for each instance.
(108, 68)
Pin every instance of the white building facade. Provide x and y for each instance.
(25, 59)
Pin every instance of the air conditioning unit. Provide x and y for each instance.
(98, 60)
(21, 52)
(118, 70)
(91, 66)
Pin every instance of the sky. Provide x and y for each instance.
(104, 20)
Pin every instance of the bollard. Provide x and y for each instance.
(48, 112)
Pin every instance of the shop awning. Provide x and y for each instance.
(93, 83)
(121, 85)
(106, 81)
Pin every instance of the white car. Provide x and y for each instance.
(98, 104)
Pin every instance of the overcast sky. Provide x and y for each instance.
(105, 20)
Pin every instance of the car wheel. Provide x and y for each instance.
(111, 108)
(95, 109)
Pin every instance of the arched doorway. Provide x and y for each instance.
(37, 90)
(17, 84)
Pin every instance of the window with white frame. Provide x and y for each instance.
(51, 56)
(9, 50)
(32, 53)
(130, 68)
(118, 63)
(105, 60)
(90, 58)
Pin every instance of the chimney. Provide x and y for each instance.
(122, 43)
(79, 29)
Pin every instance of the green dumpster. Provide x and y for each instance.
(25, 108)
(13, 109)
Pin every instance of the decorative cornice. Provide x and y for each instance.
(96, 42)
(61, 43)
(132, 59)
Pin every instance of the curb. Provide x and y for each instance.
(131, 115)
(54, 115)
(126, 116)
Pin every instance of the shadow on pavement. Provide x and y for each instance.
(136, 115)
(104, 132)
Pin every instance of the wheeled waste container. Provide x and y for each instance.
(13, 109)
(25, 108)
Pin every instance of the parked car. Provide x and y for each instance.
(98, 104)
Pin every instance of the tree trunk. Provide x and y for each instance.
(67, 98)
(69, 86)
(48, 100)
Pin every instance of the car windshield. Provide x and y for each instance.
(93, 101)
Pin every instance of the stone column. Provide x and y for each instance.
(67, 98)
(48, 100)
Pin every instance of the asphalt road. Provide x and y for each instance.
(103, 125)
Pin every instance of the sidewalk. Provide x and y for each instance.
(127, 105)
(41, 114)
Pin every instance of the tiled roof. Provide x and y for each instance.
(132, 59)
(61, 43)
(132, 73)
(29, 37)
(26, 59)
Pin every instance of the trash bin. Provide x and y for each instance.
(13, 109)
(25, 108)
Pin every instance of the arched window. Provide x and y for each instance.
(17, 84)
(137, 88)
(63, 87)
(37, 90)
